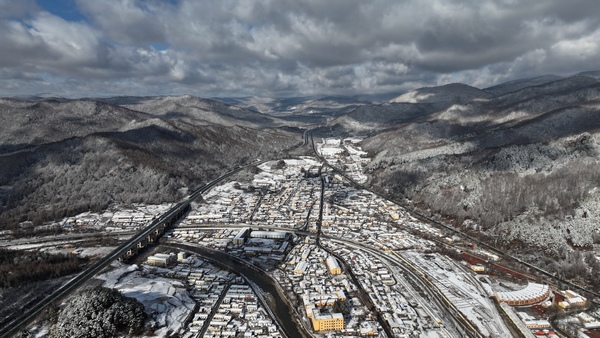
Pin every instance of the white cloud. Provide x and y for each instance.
(294, 47)
(72, 43)
(582, 48)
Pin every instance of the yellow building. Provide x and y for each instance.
(572, 299)
(330, 322)
(477, 268)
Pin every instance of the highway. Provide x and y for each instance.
(158, 224)
(155, 228)
(305, 137)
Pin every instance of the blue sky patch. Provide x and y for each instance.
(66, 9)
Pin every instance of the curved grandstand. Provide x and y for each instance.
(531, 294)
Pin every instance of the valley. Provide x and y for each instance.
(426, 199)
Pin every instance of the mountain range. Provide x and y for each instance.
(515, 162)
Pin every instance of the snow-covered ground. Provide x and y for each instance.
(166, 300)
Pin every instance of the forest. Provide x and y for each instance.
(19, 268)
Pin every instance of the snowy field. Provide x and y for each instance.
(166, 300)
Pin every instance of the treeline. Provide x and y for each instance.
(492, 186)
(581, 266)
(18, 268)
(544, 209)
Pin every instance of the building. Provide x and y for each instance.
(254, 250)
(328, 322)
(477, 268)
(533, 323)
(268, 234)
(162, 259)
(300, 267)
(283, 248)
(333, 266)
(531, 294)
(241, 236)
(568, 299)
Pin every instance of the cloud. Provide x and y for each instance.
(17, 9)
(126, 21)
(292, 47)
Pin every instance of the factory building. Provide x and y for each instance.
(268, 234)
(244, 233)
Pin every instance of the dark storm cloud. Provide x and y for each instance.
(291, 47)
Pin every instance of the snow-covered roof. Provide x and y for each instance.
(531, 291)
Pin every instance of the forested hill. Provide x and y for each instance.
(518, 164)
(60, 157)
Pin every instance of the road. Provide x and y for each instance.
(214, 311)
(362, 292)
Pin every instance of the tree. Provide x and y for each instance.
(99, 312)
(280, 164)
(341, 306)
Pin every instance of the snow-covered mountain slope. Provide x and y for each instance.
(450, 93)
(200, 111)
(515, 85)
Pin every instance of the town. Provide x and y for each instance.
(349, 262)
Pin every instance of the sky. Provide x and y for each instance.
(282, 48)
